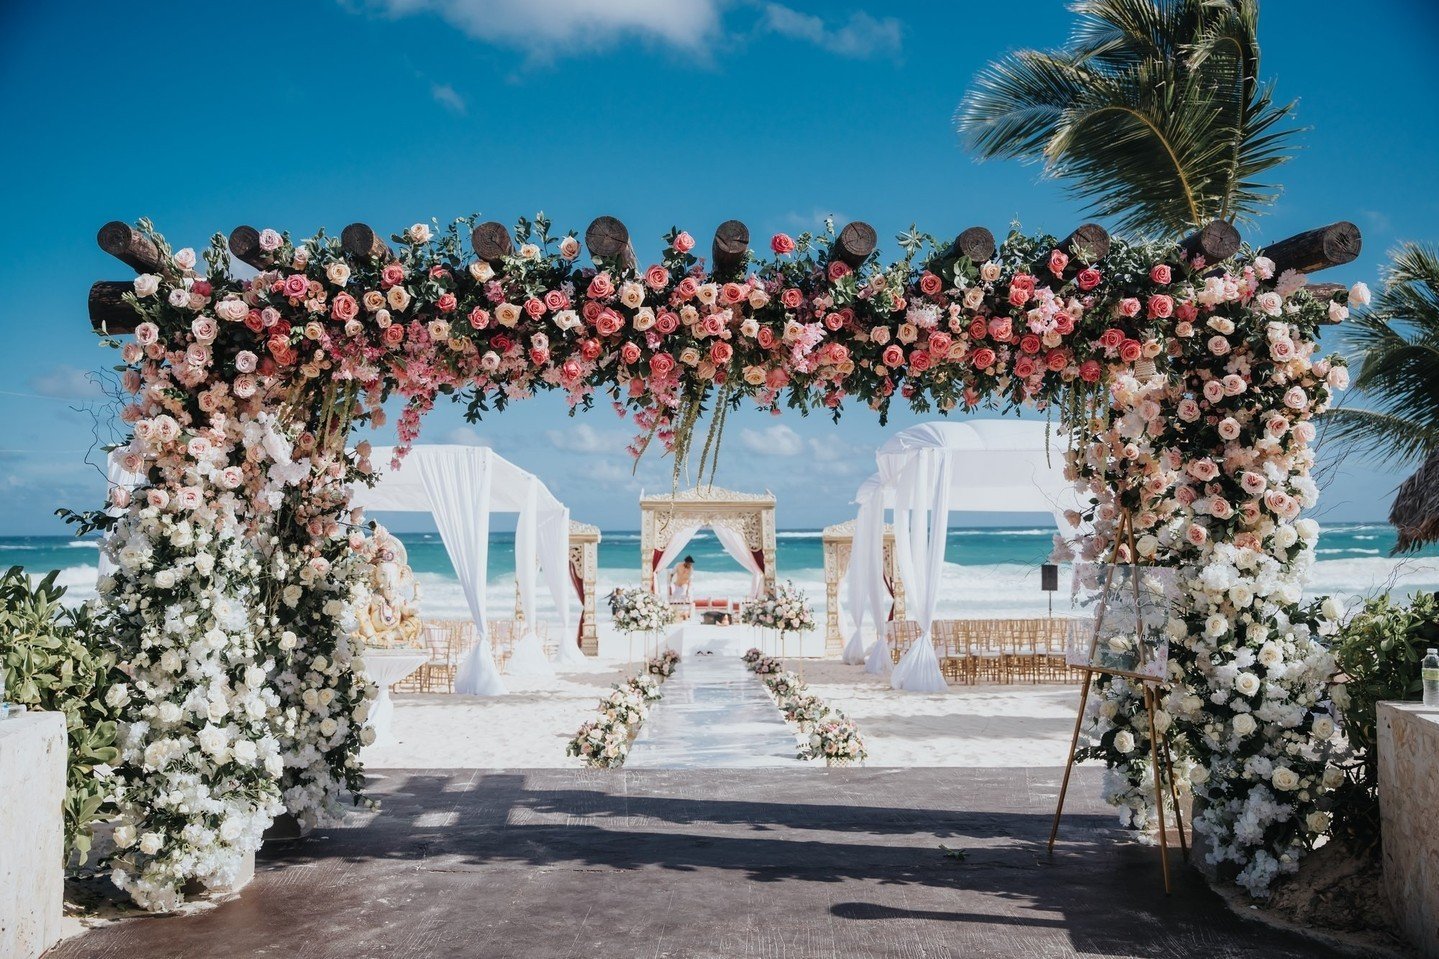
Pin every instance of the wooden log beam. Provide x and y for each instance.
(492, 242)
(608, 239)
(109, 313)
(1089, 243)
(854, 244)
(730, 248)
(1314, 250)
(1218, 240)
(245, 247)
(130, 246)
(362, 243)
(977, 243)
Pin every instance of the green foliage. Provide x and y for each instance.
(1154, 112)
(1379, 650)
(1399, 340)
(54, 662)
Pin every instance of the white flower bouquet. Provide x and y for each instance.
(640, 611)
(787, 610)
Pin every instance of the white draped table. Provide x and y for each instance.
(387, 667)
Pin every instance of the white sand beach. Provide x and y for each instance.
(976, 726)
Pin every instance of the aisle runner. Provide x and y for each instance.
(714, 715)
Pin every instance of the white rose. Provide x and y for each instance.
(1244, 724)
(418, 233)
(1124, 741)
(1284, 779)
(1332, 608)
(1198, 774)
(1359, 294)
(1317, 821)
(328, 727)
(1247, 684)
(146, 284)
(1323, 727)
(124, 836)
(150, 843)
(185, 258)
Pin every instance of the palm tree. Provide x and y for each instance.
(1398, 338)
(1153, 112)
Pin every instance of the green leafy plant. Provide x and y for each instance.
(1379, 651)
(54, 662)
(1154, 112)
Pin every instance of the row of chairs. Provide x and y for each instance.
(995, 650)
(448, 640)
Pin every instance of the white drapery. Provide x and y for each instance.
(733, 542)
(528, 656)
(462, 486)
(921, 522)
(679, 539)
(457, 484)
(864, 580)
(554, 547)
(981, 465)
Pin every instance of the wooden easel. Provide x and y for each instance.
(1124, 534)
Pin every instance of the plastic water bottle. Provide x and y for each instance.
(1430, 671)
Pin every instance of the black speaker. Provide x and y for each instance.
(1049, 578)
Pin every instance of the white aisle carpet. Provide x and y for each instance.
(714, 714)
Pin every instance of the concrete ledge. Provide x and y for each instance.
(32, 833)
(1408, 801)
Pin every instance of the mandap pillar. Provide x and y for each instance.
(771, 553)
(584, 573)
(838, 544)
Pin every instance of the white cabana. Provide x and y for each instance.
(925, 472)
(461, 486)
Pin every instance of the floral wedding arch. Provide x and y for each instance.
(1186, 377)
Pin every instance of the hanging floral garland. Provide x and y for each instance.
(240, 570)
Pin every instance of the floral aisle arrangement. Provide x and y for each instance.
(787, 610)
(640, 611)
(825, 732)
(665, 664)
(604, 742)
(235, 599)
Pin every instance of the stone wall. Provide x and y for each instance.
(32, 839)
(1409, 807)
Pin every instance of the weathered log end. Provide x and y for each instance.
(1314, 250)
(109, 313)
(977, 243)
(730, 247)
(854, 244)
(1217, 241)
(491, 241)
(245, 247)
(363, 243)
(609, 239)
(129, 246)
(1087, 244)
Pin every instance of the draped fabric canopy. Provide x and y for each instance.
(924, 473)
(461, 486)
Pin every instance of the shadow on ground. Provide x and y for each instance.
(711, 863)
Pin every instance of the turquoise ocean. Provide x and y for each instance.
(990, 571)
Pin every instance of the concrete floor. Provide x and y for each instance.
(790, 864)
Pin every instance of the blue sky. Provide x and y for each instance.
(307, 115)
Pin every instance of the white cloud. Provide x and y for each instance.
(546, 28)
(778, 440)
(466, 436)
(448, 97)
(584, 438)
(863, 36)
(66, 382)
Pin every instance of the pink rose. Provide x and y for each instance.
(929, 284)
(1088, 278)
(791, 298)
(1129, 306)
(534, 307)
(1218, 345)
(983, 358)
(1253, 483)
(1196, 534)
(838, 270)
(721, 352)
(479, 318)
(1001, 328)
(446, 303)
(1161, 305)
(893, 355)
(1058, 260)
(601, 287)
(1090, 371)
(119, 497)
(684, 242)
(1213, 391)
(344, 307)
(667, 322)
(630, 353)
(687, 288)
(657, 277)
(1130, 351)
(732, 293)
(1160, 274)
(245, 361)
(608, 323)
(147, 333)
(1018, 296)
(662, 364)
(295, 286)
(781, 244)
(392, 275)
